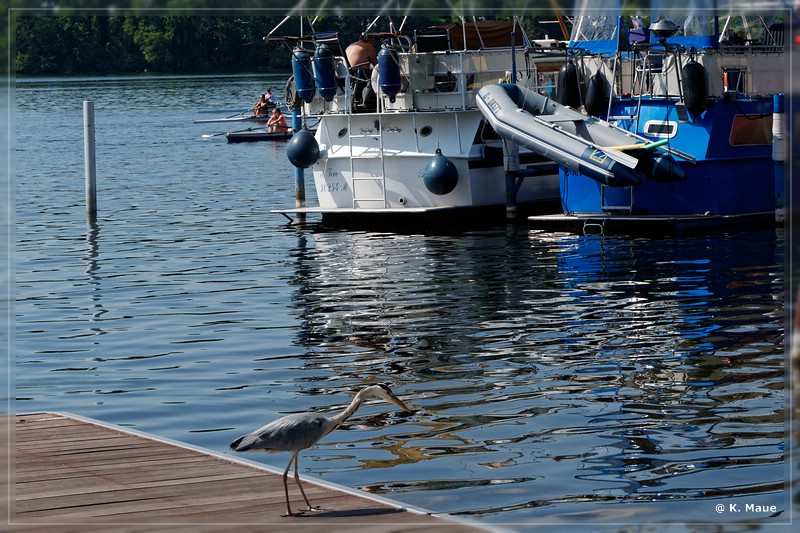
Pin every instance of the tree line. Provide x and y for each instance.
(76, 44)
(129, 44)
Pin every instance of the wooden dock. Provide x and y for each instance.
(69, 471)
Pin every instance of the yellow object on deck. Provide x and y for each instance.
(649, 146)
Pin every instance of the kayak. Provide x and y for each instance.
(259, 134)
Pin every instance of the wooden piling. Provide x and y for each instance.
(299, 173)
(90, 171)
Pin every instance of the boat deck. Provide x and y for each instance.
(430, 218)
(71, 471)
(610, 223)
(398, 218)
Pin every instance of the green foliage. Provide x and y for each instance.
(177, 42)
(76, 44)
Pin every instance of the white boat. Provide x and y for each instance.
(425, 150)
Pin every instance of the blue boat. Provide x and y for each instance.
(705, 92)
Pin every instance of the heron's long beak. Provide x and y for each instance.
(395, 400)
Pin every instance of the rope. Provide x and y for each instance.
(291, 97)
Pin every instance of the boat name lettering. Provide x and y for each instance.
(493, 105)
(333, 187)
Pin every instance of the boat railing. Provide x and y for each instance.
(656, 73)
(451, 79)
(439, 80)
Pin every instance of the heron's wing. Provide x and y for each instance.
(292, 432)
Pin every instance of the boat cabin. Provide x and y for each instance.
(441, 68)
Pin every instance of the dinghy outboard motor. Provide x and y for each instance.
(303, 149)
(568, 91)
(303, 77)
(389, 70)
(440, 175)
(693, 83)
(324, 72)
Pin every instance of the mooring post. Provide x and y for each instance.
(299, 173)
(778, 155)
(90, 171)
(511, 164)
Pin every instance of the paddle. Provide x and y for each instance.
(209, 135)
(223, 110)
(209, 120)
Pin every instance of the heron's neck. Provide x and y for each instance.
(344, 415)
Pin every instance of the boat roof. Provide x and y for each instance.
(609, 34)
(466, 34)
(477, 34)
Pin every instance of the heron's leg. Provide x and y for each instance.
(297, 480)
(285, 484)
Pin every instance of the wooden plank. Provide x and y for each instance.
(73, 471)
(161, 470)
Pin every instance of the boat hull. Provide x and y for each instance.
(733, 172)
(379, 161)
(256, 136)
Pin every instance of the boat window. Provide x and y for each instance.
(749, 129)
(432, 39)
(342, 132)
(660, 128)
(425, 131)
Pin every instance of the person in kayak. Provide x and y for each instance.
(261, 107)
(277, 122)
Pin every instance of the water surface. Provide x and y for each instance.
(554, 377)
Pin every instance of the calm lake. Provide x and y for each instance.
(556, 378)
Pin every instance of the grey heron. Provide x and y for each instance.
(296, 432)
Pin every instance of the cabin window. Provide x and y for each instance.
(425, 131)
(748, 129)
(660, 128)
(342, 133)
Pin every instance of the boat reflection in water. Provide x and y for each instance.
(556, 376)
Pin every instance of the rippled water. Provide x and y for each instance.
(554, 377)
